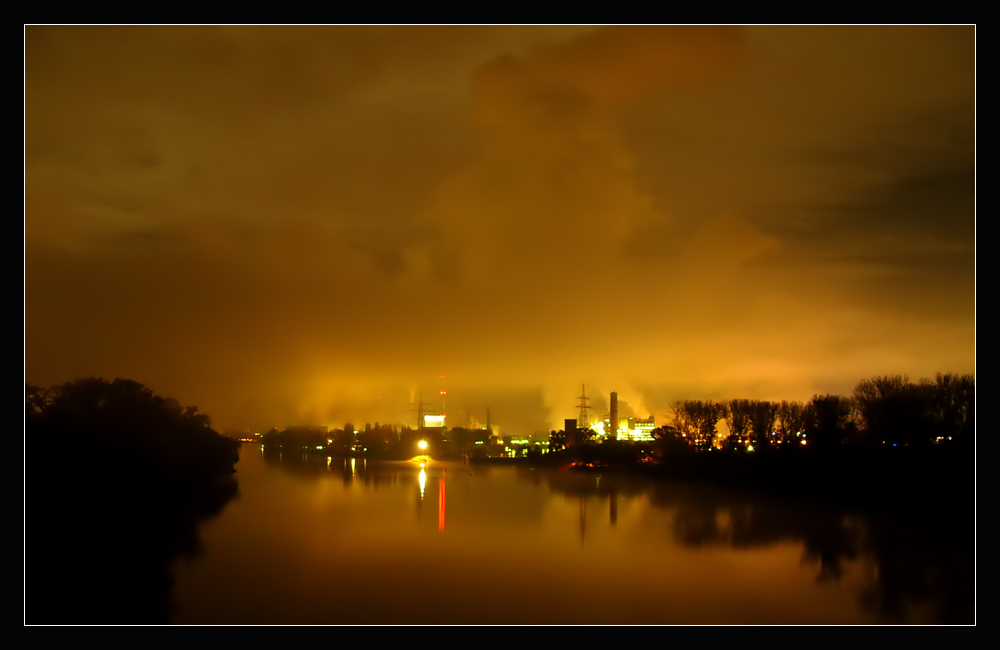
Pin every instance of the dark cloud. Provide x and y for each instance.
(305, 223)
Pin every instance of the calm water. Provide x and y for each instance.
(353, 542)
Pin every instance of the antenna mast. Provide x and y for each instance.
(583, 422)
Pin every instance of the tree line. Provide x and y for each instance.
(882, 410)
(379, 440)
(117, 481)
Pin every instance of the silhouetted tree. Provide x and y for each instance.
(951, 406)
(762, 417)
(581, 436)
(344, 439)
(737, 417)
(557, 440)
(116, 481)
(708, 415)
(697, 420)
(894, 410)
(682, 421)
(669, 441)
(378, 440)
(791, 419)
(827, 420)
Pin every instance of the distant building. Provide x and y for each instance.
(614, 427)
(639, 428)
(434, 422)
(631, 428)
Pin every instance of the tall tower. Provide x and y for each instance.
(583, 422)
(614, 417)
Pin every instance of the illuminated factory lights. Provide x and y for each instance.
(632, 429)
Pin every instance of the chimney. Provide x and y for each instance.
(614, 417)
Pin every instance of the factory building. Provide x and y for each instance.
(630, 428)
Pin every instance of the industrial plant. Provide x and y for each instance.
(612, 427)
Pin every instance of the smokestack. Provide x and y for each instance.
(614, 416)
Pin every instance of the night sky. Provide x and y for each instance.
(311, 225)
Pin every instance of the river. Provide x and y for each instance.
(349, 541)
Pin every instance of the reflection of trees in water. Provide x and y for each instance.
(117, 481)
(477, 501)
(102, 551)
(715, 519)
(922, 572)
(351, 469)
(925, 571)
(587, 483)
(296, 461)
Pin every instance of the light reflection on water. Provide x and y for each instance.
(355, 541)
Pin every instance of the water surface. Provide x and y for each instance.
(342, 541)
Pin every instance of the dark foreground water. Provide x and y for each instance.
(311, 541)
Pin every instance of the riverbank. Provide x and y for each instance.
(887, 480)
